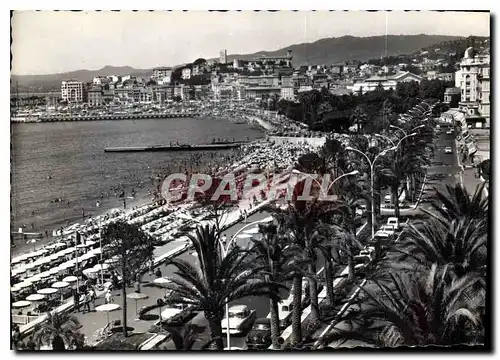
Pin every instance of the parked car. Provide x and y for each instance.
(260, 335)
(449, 132)
(389, 229)
(177, 314)
(394, 222)
(241, 318)
(284, 312)
(448, 150)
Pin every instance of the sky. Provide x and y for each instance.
(50, 42)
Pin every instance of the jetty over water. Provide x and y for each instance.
(220, 146)
(57, 118)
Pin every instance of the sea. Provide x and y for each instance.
(59, 171)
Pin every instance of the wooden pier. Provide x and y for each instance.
(219, 146)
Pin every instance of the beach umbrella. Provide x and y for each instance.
(60, 285)
(47, 291)
(35, 297)
(33, 279)
(110, 261)
(107, 308)
(44, 275)
(254, 230)
(162, 282)
(21, 304)
(244, 236)
(18, 271)
(70, 279)
(53, 271)
(104, 266)
(23, 284)
(137, 296)
(16, 260)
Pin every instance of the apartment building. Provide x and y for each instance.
(72, 91)
(473, 79)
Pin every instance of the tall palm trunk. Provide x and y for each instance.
(296, 311)
(350, 265)
(329, 282)
(215, 329)
(395, 200)
(369, 213)
(275, 323)
(124, 307)
(313, 292)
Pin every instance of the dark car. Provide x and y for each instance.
(260, 335)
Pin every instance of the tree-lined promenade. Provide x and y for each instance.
(428, 288)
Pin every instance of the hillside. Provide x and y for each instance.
(324, 51)
(347, 48)
(53, 81)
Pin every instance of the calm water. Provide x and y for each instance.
(72, 154)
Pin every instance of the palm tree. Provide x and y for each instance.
(134, 251)
(60, 331)
(416, 311)
(359, 118)
(217, 280)
(347, 244)
(276, 258)
(458, 203)
(184, 339)
(298, 219)
(462, 245)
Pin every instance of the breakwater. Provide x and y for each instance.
(58, 118)
(174, 148)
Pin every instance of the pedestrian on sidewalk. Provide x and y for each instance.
(158, 273)
(86, 302)
(108, 298)
(92, 296)
(76, 300)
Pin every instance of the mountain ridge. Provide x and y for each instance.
(322, 51)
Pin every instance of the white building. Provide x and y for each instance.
(161, 72)
(287, 93)
(100, 80)
(72, 91)
(473, 79)
(223, 57)
(387, 82)
(186, 73)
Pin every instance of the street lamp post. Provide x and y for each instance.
(225, 250)
(372, 163)
(100, 247)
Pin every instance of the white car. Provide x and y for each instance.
(389, 229)
(176, 313)
(449, 132)
(240, 319)
(284, 312)
(447, 150)
(394, 222)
